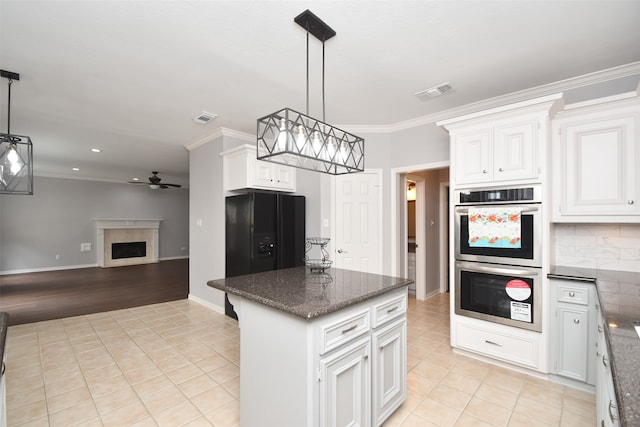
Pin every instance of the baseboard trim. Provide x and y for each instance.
(206, 303)
(44, 269)
(70, 267)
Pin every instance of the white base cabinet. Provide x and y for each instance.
(573, 330)
(595, 158)
(606, 403)
(346, 368)
(242, 170)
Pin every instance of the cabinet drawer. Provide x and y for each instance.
(573, 295)
(516, 349)
(344, 329)
(389, 310)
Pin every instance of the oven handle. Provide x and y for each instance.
(510, 271)
(529, 209)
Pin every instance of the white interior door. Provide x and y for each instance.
(358, 222)
(421, 253)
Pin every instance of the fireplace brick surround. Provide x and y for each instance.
(124, 230)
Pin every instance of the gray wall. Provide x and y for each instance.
(59, 216)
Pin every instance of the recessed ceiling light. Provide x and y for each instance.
(136, 179)
(96, 150)
(204, 117)
(75, 169)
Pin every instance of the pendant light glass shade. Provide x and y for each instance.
(295, 139)
(16, 160)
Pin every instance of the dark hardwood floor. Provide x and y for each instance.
(33, 297)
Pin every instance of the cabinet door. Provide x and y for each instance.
(572, 341)
(473, 157)
(600, 166)
(389, 370)
(345, 390)
(284, 177)
(514, 151)
(264, 173)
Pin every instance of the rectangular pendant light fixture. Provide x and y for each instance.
(295, 139)
(16, 154)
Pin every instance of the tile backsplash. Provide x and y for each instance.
(603, 246)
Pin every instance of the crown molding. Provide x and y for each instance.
(519, 96)
(219, 133)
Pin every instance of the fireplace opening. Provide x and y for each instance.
(128, 250)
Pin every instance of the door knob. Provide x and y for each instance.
(340, 251)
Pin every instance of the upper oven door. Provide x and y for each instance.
(530, 251)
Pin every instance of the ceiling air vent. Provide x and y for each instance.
(432, 92)
(204, 117)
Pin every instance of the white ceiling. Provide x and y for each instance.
(128, 76)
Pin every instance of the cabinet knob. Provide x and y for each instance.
(605, 361)
(576, 321)
(484, 171)
(599, 328)
(501, 169)
(630, 202)
(572, 294)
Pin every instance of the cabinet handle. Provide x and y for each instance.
(602, 424)
(612, 411)
(630, 202)
(572, 294)
(599, 328)
(391, 310)
(501, 169)
(576, 321)
(493, 343)
(605, 361)
(349, 329)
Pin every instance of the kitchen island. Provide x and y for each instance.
(319, 349)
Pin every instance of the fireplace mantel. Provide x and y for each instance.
(128, 226)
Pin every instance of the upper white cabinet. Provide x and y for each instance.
(595, 158)
(243, 170)
(501, 144)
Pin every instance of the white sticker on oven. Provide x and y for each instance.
(518, 290)
(521, 311)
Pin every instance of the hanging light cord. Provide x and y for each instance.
(307, 112)
(9, 110)
(323, 109)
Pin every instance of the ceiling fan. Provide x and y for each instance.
(154, 182)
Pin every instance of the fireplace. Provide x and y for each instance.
(127, 241)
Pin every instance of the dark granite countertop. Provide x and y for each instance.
(308, 295)
(619, 295)
(4, 323)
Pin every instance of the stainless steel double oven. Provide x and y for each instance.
(500, 284)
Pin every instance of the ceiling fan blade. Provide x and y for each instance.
(172, 185)
(137, 182)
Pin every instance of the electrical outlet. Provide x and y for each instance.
(183, 248)
(85, 247)
(57, 256)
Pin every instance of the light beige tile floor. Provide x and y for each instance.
(176, 363)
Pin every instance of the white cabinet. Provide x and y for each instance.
(501, 144)
(345, 397)
(346, 368)
(509, 344)
(503, 152)
(242, 170)
(606, 403)
(596, 153)
(390, 369)
(573, 330)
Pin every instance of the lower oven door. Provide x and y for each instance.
(499, 293)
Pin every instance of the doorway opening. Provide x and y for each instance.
(431, 226)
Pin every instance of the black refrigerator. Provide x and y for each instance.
(264, 231)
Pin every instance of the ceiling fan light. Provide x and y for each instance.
(154, 186)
